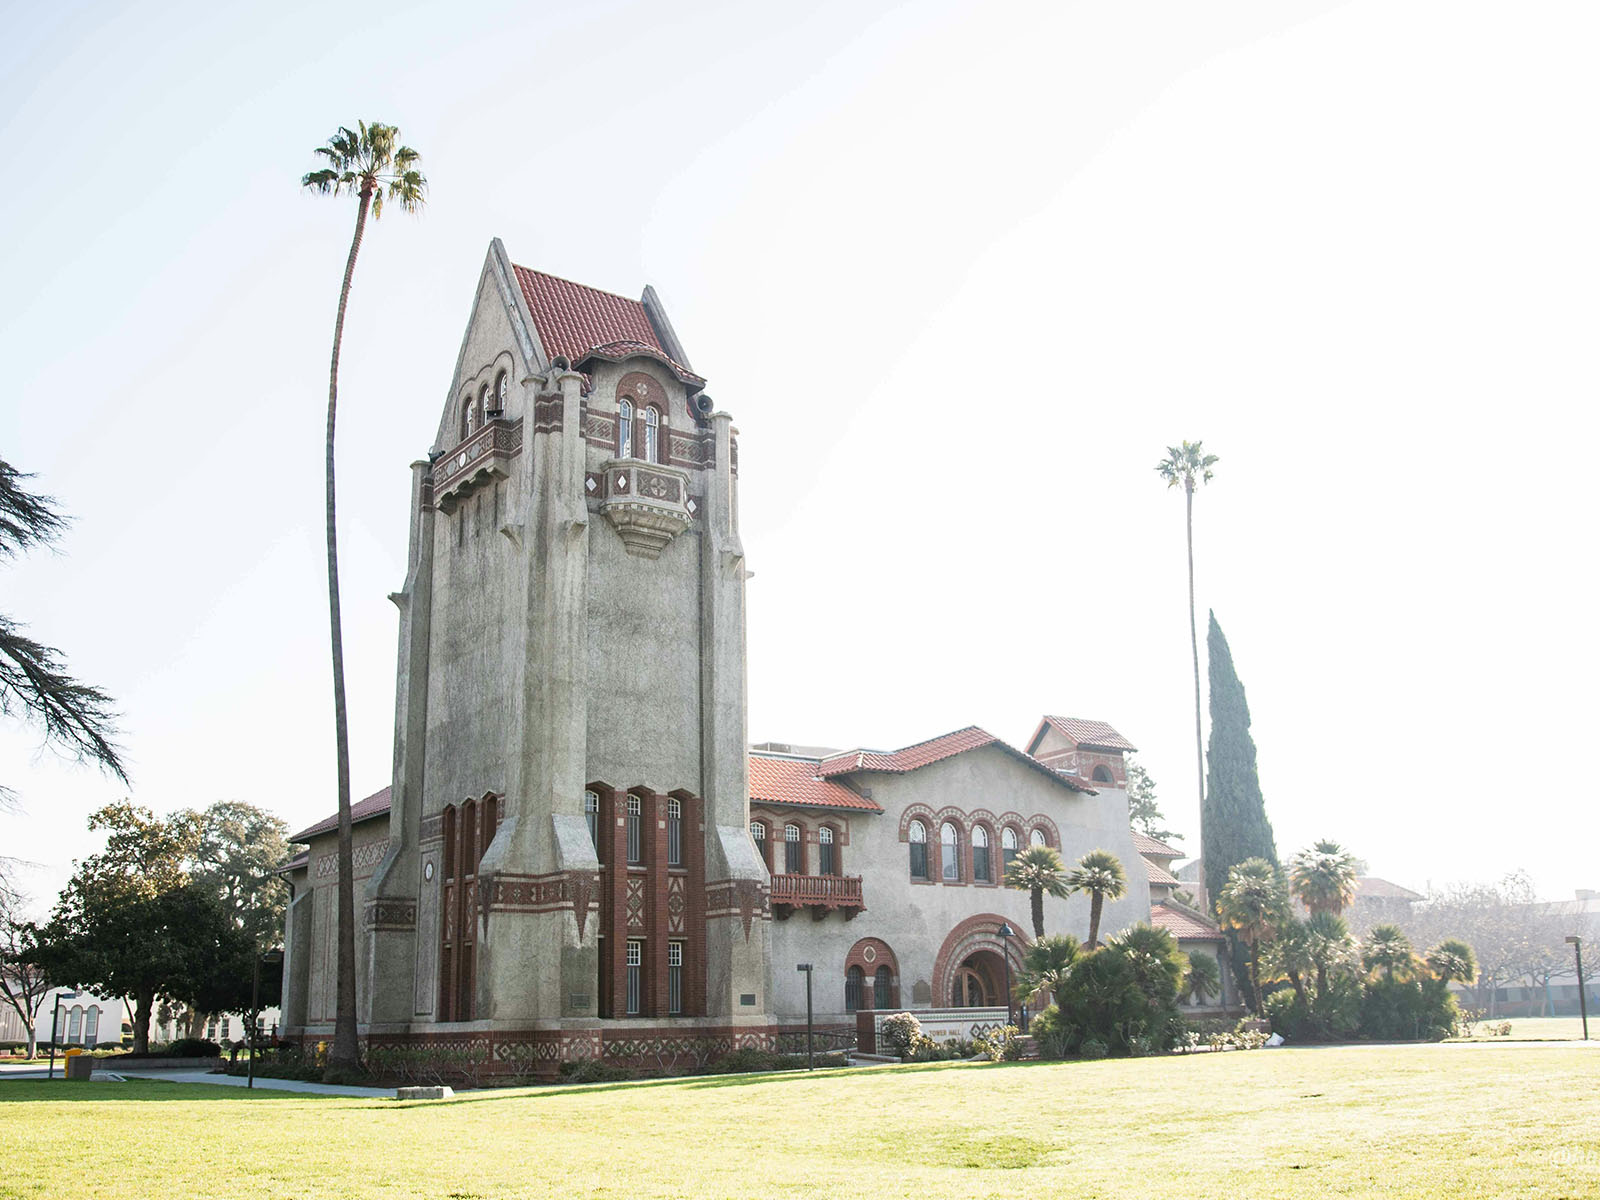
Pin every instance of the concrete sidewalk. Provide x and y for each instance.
(33, 1071)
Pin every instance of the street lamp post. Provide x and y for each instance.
(1583, 1001)
(1006, 934)
(55, 1024)
(271, 958)
(811, 1062)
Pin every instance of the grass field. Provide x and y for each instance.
(1543, 1029)
(1424, 1121)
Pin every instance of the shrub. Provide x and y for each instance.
(1002, 1045)
(1051, 1033)
(1093, 1048)
(1408, 1010)
(900, 1032)
(194, 1048)
(1116, 997)
(750, 1059)
(589, 1070)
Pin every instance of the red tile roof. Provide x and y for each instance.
(375, 805)
(922, 754)
(794, 781)
(1153, 847)
(577, 321)
(1156, 873)
(1095, 735)
(1183, 924)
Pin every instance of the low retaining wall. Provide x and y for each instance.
(121, 1062)
(940, 1024)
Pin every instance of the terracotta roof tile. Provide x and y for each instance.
(375, 805)
(1156, 873)
(577, 321)
(1153, 847)
(1183, 924)
(922, 754)
(794, 781)
(1093, 734)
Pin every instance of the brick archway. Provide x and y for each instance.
(869, 954)
(970, 936)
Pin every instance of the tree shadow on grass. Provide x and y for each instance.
(62, 1091)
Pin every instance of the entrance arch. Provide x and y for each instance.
(974, 956)
(978, 981)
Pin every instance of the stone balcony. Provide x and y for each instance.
(820, 893)
(647, 504)
(482, 458)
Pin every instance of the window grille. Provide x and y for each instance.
(591, 816)
(853, 979)
(793, 850)
(635, 977)
(635, 850)
(827, 857)
(674, 978)
(882, 984)
(674, 832)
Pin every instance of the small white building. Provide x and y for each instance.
(82, 1019)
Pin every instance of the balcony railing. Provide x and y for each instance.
(820, 893)
(484, 456)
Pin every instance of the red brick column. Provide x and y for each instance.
(694, 917)
(614, 917)
(655, 907)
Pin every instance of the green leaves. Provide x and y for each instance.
(1184, 464)
(369, 162)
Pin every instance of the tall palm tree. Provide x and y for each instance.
(1046, 966)
(1324, 877)
(1185, 466)
(1388, 950)
(1453, 961)
(1202, 976)
(369, 163)
(1099, 873)
(1254, 902)
(1330, 945)
(1039, 871)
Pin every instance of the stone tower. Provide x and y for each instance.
(569, 873)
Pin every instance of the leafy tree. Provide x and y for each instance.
(1452, 961)
(1324, 877)
(1039, 871)
(1099, 873)
(23, 984)
(237, 852)
(369, 163)
(1202, 977)
(1143, 811)
(1188, 466)
(1389, 950)
(1046, 966)
(1254, 903)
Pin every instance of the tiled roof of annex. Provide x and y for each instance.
(1153, 847)
(1156, 873)
(374, 805)
(1183, 924)
(576, 321)
(1095, 735)
(785, 779)
(922, 754)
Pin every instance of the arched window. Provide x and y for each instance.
(1101, 775)
(1037, 838)
(674, 832)
(635, 975)
(591, 817)
(449, 841)
(794, 851)
(853, 979)
(91, 1025)
(980, 855)
(758, 834)
(467, 425)
(949, 852)
(74, 1022)
(883, 988)
(469, 838)
(484, 405)
(827, 860)
(1008, 847)
(635, 849)
(652, 435)
(502, 392)
(625, 429)
(918, 837)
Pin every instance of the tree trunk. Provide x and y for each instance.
(345, 1053)
(1096, 901)
(1255, 978)
(32, 1026)
(1194, 650)
(143, 1002)
(1037, 898)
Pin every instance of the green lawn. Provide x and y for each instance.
(1433, 1121)
(1541, 1029)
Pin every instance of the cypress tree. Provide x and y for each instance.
(1233, 819)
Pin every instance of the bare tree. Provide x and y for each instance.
(22, 984)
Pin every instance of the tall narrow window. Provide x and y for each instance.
(625, 429)
(827, 864)
(466, 416)
(949, 852)
(674, 978)
(1008, 848)
(1037, 838)
(674, 832)
(74, 1022)
(635, 807)
(502, 392)
(793, 850)
(635, 976)
(484, 405)
(652, 435)
(919, 850)
(91, 1025)
(883, 988)
(853, 979)
(758, 834)
(591, 817)
(980, 855)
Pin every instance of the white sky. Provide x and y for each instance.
(960, 271)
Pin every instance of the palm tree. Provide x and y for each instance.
(1153, 954)
(1202, 976)
(1099, 873)
(1183, 466)
(370, 164)
(1289, 955)
(1324, 877)
(1039, 871)
(1046, 966)
(1389, 950)
(1329, 943)
(1254, 902)
(1452, 960)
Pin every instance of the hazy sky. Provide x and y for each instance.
(960, 271)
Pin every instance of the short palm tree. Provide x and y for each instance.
(1255, 904)
(370, 164)
(1157, 964)
(1099, 873)
(1453, 961)
(1185, 466)
(1038, 870)
(1389, 950)
(1330, 945)
(1202, 976)
(1046, 966)
(1289, 955)
(1324, 877)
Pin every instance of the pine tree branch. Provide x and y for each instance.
(26, 519)
(76, 717)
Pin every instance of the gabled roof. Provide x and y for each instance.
(788, 779)
(1153, 847)
(1156, 873)
(581, 322)
(1183, 924)
(1092, 735)
(922, 754)
(1370, 887)
(375, 805)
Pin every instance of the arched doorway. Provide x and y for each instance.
(978, 981)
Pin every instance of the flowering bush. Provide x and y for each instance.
(1004, 1044)
(901, 1031)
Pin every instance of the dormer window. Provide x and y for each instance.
(625, 429)
(652, 435)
